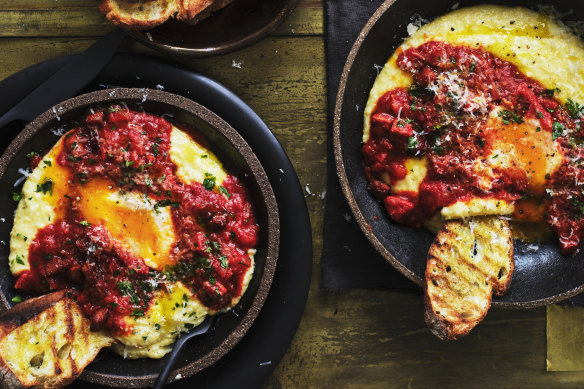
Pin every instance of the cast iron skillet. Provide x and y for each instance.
(236, 26)
(237, 158)
(540, 278)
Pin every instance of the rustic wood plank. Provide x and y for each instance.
(73, 18)
(361, 339)
(81, 21)
(378, 339)
(21, 53)
(38, 4)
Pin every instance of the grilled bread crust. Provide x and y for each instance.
(21, 313)
(46, 343)
(215, 6)
(467, 263)
(138, 15)
(146, 14)
(190, 8)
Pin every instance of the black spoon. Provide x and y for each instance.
(178, 345)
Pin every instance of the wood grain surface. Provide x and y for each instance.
(352, 339)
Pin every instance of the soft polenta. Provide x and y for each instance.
(147, 226)
(478, 113)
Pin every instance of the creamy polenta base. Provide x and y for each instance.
(138, 223)
(543, 50)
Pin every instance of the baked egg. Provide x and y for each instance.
(477, 113)
(143, 221)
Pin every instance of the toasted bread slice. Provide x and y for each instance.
(139, 14)
(216, 6)
(188, 9)
(51, 348)
(146, 14)
(468, 261)
(21, 313)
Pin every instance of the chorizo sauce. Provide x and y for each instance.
(214, 229)
(443, 117)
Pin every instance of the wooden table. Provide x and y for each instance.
(356, 338)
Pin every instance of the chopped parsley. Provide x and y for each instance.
(17, 299)
(224, 190)
(125, 287)
(557, 130)
(510, 117)
(19, 260)
(84, 223)
(166, 203)
(224, 262)
(209, 181)
(32, 154)
(573, 108)
(16, 196)
(48, 163)
(412, 142)
(45, 186)
(550, 92)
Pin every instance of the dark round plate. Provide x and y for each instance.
(541, 277)
(236, 156)
(250, 362)
(238, 25)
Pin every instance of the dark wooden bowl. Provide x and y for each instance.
(237, 157)
(234, 27)
(540, 278)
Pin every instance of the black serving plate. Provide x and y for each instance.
(249, 363)
(236, 26)
(541, 277)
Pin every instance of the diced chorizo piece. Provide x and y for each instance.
(397, 170)
(95, 119)
(401, 131)
(369, 150)
(75, 273)
(399, 208)
(99, 318)
(426, 76)
(385, 144)
(379, 189)
(381, 122)
(55, 266)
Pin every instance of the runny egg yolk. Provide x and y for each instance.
(132, 219)
(524, 150)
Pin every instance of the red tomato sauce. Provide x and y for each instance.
(442, 117)
(214, 229)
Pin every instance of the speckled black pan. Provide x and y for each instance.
(234, 27)
(110, 369)
(541, 277)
